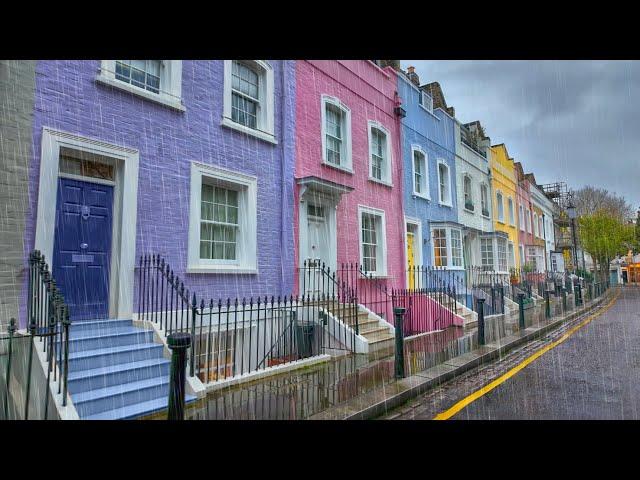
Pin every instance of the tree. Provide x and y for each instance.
(589, 199)
(604, 236)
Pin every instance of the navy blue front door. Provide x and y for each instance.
(82, 247)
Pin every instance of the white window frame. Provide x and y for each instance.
(388, 161)
(511, 255)
(484, 188)
(426, 194)
(497, 256)
(170, 93)
(535, 225)
(529, 220)
(265, 122)
(448, 202)
(348, 163)
(449, 247)
(246, 240)
(521, 218)
(512, 211)
(500, 206)
(381, 251)
(429, 101)
(491, 242)
(541, 226)
(466, 177)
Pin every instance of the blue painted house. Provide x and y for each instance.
(433, 233)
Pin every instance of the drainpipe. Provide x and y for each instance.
(283, 106)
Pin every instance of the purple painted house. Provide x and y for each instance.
(191, 160)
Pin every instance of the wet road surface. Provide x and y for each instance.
(594, 374)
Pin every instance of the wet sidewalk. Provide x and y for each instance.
(337, 388)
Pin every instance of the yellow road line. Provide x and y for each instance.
(503, 378)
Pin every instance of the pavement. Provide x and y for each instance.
(593, 374)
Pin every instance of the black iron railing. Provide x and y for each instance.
(48, 324)
(233, 337)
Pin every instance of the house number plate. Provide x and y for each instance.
(81, 258)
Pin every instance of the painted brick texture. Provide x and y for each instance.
(69, 99)
(435, 134)
(369, 92)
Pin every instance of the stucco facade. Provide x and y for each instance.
(336, 191)
(544, 207)
(164, 140)
(526, 238)
(474, 183)
(430, 136)
(503, 180)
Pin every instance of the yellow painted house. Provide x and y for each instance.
(503, 188)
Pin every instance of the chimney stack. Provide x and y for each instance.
(413, 76)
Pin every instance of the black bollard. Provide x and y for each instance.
(578, 294)
(547, 304)
(521, 323)
(564, 299)
(178, 343)
(398, 313)
(480, 309)
(12, 329)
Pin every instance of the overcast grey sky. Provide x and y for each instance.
(572, 121)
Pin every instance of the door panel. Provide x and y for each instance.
(411, 261)
(82, 247)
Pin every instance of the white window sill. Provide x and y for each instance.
(443, 204)
(267, 137)
(154, 97)
(337, 167)
(484, 216)
(451, 268)
(232, 269)
(501, 222)
(472, 212)
(424, 197)
(381, 182)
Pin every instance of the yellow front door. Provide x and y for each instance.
(410, 259)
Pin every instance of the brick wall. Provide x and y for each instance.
(68, 98)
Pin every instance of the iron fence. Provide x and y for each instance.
(234, 337)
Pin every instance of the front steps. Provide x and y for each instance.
(375, 331)
(116, 370)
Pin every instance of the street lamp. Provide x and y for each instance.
(571, 211)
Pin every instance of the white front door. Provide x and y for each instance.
(318, 247)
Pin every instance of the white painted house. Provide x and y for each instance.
(474, 197)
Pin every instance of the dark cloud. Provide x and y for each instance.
(573, 121)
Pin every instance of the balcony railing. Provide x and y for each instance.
(473, 147)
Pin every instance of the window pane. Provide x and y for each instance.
(141, 73)
(369, 242)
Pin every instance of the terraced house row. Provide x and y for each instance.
(314, 184)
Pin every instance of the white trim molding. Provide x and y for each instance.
(170, 93)
(387, 168)
(347, 165)
(425, 174)
(265, 128)
(381, 252)
(247, 186)
(125, 208)
(448, 202)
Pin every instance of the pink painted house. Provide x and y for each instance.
(348, 173)
(526, 239)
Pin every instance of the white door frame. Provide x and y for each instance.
(418, 243)
(330, 204)
(123, 249)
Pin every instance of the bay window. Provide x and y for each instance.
(447, 247)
